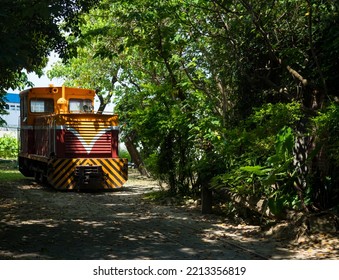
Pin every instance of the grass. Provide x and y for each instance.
(9, 171)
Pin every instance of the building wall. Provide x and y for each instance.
(12, 119)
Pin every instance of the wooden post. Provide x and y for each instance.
(206, 200)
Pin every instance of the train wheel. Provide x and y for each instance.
(24, 167)
(38, 176)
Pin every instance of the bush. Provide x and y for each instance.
(325, 169)
(326, 125)
(8, 147)
(260, 156)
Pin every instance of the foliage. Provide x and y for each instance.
(262, 147)
(8, 147)
(327, 126)
(273, 180)
(215, 92)
(29, 31)
(124, 154)
(326, 139)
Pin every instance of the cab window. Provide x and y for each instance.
(42, 105)
(80, 105)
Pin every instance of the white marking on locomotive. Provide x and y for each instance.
(88, 147)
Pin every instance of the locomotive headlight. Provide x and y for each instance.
(62, 102)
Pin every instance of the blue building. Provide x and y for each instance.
(12, 119)
(12, 98)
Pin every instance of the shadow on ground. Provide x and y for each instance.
(39, 223)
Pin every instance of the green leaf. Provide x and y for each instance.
(258, 170)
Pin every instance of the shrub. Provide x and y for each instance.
(8, 147)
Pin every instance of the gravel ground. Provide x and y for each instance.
(39, 223)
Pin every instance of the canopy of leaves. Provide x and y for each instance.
(29, 31)
(212, 89)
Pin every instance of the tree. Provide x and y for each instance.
(210, 90)
(91, 66)
(29, 31)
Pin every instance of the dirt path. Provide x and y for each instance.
(40, 223)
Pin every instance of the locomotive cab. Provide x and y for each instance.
(63, 142)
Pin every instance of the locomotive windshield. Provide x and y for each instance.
(42, 105)
(80, 105)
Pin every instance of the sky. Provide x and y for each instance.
(43, 81)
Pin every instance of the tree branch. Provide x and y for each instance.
(272, 51)
(310, 10)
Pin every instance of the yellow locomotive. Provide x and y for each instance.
(63, 142)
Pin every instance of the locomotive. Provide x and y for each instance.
(64, 143)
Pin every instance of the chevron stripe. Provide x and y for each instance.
(61, 175)
(88, 146)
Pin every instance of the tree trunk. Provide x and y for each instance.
(136, 157)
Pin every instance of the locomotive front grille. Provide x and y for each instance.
(88, 176)
(85, 138)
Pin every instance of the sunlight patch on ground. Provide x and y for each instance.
(27, 256)
(46, 222)
(30, 187)
(188, 251)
